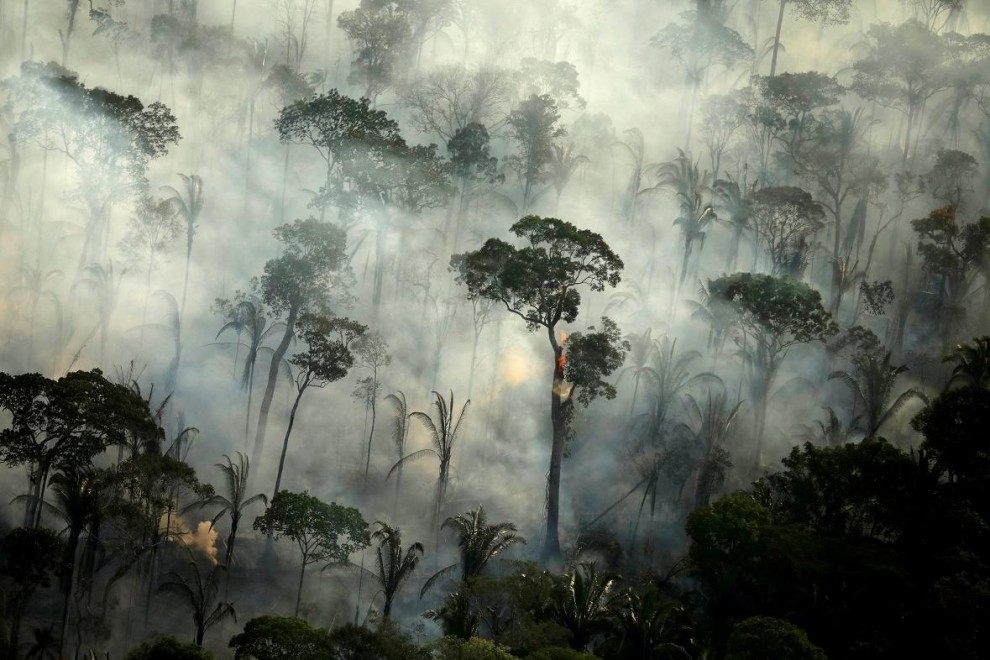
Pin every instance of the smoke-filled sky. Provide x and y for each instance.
(634, 100)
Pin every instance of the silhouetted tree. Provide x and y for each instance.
(539, 283)
(323, 532)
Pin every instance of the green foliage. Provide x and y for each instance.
(394, 566)
(470, 155)
(777, 312)
(66, 423)
(281, 638)
(558, 653)
(455, 648)
(855, 490)
(726, 536)
(328, 339)
(784, 219)
(313, 255)
(592, 357)
(324, 532)
(29, 558)
(700, 41)
(762, 637)
(539, 282)
(380, 34)
(168, 648)
(972, 363)
(955, 429)
(581, 604)
(533, 124)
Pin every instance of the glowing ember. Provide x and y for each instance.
(562, 359)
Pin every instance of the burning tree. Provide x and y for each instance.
(540, 284)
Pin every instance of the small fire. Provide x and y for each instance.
(563, 358)
(203, 537)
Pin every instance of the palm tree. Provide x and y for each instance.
(692, 188)
(394, 567)
(235, 501)
(641, 352)
(443, 434)
(188, 206)
(77, 501)
(563, 164)
(715, 418)
(248, 318)
(731, 200)
(636, 150)
(478, 543)
(972, 364)
(873, 387)
(582, 607)
(198, 594)
(400, 432)
(104, 284)
(671, 378)
(645, 624)
(828, 433)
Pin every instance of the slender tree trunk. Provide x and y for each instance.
(776, 39)
(551, 544)
(24, 28)
(285, 178)
(266, 401)
(231, 538)
(302, 574)
(247, 411)
(371, 434)
(285, 443)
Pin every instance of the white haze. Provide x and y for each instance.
(501, 460)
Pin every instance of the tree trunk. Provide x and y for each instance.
(302, 574)
(288, 432)
(551, 544)
(371, 434)
(776, 39)
(266, 401)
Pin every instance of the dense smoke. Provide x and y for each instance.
(134, 258)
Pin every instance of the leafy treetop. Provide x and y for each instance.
(538, 282)
(324, 532)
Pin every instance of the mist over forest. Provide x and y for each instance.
(491, 328)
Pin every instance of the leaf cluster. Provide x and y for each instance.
(538, 282)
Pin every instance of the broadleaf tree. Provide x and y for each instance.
(540, 282)
(323, 532)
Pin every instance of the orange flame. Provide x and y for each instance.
(563, 358)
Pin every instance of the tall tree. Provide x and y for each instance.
(872, 384)
(380, 36)
(478, 543)
(323, 532)
(784, 220)
(198, 594)
(110, 139)
(327, 358)
(533, 125)
(394, 566)
(443, 435)
(234, 499)
(769, 315)
(311, 269)
(822, 11)
(372, 354)
(188, 204)
(952, 253)
(540, 283)
(63, 424)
